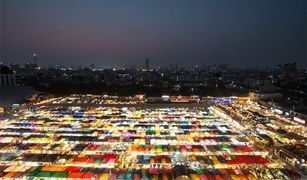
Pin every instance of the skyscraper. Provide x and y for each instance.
(147, 64)
(34, 58)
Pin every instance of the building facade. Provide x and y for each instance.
(7, 76)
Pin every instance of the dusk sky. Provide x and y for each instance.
(119, 33)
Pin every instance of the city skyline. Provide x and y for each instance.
(148, 90)
(118, 34)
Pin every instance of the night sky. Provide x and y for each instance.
(119, 33)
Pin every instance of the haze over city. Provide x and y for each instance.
(153, 90)
(123, 33)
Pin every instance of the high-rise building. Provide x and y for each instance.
(147, 64)
(34, 58)
(7, 76)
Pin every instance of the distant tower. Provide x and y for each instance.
(34, 57)
(147, 64)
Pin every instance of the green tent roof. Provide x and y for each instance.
(45, 174)
(60, 174)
